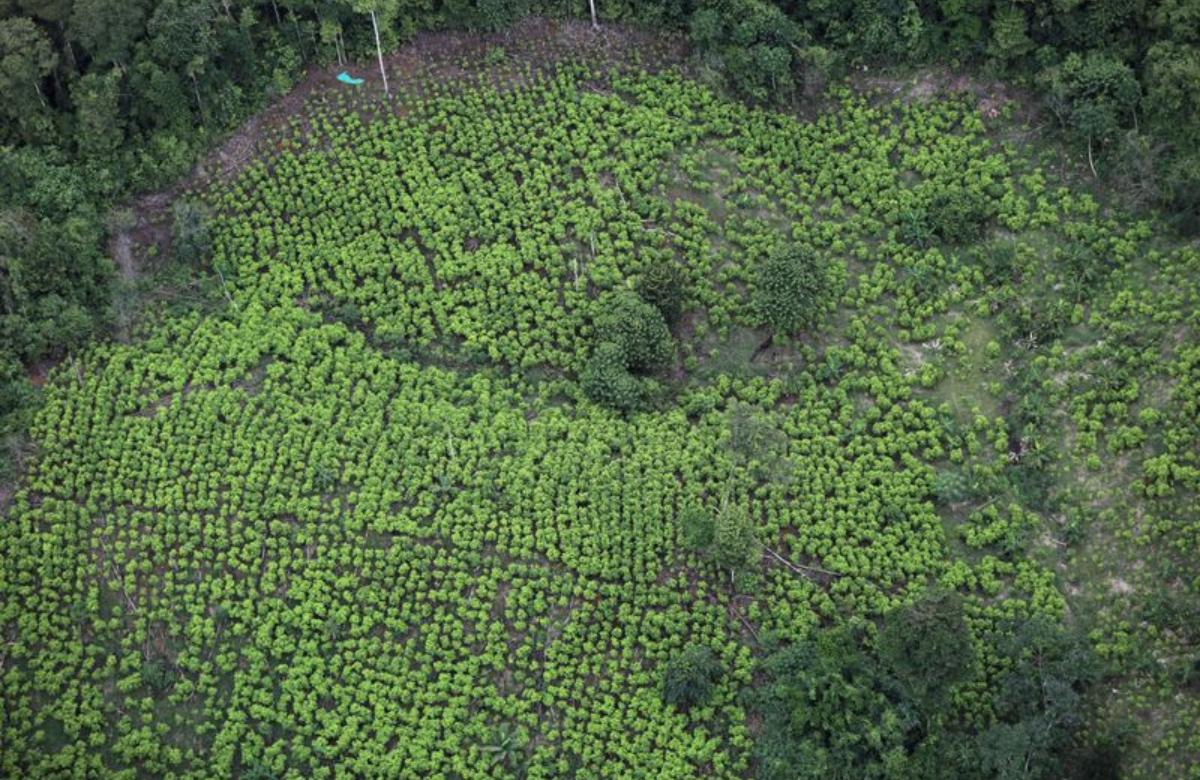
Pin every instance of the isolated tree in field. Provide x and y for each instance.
(637, 328)
(689, 677)
(631, 336)
(793, 290)
(957, 215)
(734, 546)
(727, 537)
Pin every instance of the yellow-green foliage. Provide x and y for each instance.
(271, 538)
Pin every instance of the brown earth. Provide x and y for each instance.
(991, 94)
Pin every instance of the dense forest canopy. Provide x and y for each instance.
(673, 405)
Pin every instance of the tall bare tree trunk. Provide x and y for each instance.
(592, 6)
(379, 51)
(196, 90)
(296, 27)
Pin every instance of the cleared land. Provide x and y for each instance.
(357, 520)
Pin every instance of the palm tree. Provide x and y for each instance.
(507, 747)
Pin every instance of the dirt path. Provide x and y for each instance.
(122, 253)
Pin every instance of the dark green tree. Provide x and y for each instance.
(107, 29)
(27, 57)
(753, 44)
(794, 289)
(637, 329)
(661, 286)
(827, 715)
(605, 380)
(926, 647)
(99, 126)
(1039, 701)
(957, 215)
(1094, 94)
(690, 676)
(180, 31)
(183, 39)
(54, 11)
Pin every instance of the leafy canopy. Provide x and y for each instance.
(794, 289)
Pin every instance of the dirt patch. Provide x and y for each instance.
(122, 254)
(1120, 586)
(913, 356)
(991, 95)
(40, 370)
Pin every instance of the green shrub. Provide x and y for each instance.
(957, 215)
(698, 528)
(689, 677)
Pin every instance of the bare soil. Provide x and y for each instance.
(990, 94)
